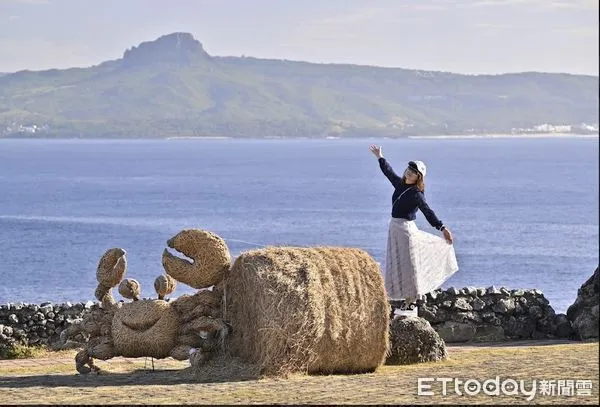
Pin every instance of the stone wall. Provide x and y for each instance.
(492, 314)
(32, 324)
(458, 315)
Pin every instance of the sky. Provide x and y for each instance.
(462, 36)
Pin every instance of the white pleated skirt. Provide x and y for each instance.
(417, 262)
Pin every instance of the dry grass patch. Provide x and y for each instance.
(126, 381)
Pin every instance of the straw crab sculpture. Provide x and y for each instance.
(159, 328)
(311, 310)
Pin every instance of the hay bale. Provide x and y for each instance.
(145, 328)
(316, 310)
(112, 267)
(130, 289)
(164, 285)
(413, 340)
(210, 255)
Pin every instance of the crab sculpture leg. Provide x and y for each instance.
(202, 328)
(97, 324)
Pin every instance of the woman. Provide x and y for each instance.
(417, 262)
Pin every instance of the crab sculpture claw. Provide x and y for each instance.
(112, 267)
(111, 270)
(209, 254)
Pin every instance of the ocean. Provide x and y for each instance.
(523, 211)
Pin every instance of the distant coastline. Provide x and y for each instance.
(442, 136)
(403, 137)
(197, 94)
(198, 138)
(506, 135)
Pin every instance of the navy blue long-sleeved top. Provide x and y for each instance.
(406, 199)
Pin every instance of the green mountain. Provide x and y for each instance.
(171, 87)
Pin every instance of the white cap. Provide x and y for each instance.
(419, 166)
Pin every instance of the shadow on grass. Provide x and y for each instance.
(138, 377)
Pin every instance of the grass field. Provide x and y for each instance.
(50, 378)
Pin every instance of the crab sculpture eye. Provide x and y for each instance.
(164, 285)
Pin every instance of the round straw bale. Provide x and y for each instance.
(413, 340)
(316, 310)
(210, 255)
(164, 285)
(112, 267)
(145, 328)
(130, 289)
(185, 304)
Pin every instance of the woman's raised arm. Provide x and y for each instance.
(386, 168)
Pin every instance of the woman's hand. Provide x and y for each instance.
(448, 235)
(376, 150)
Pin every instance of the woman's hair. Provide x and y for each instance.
(420, 182)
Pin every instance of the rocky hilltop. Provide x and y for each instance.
(172, 87)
